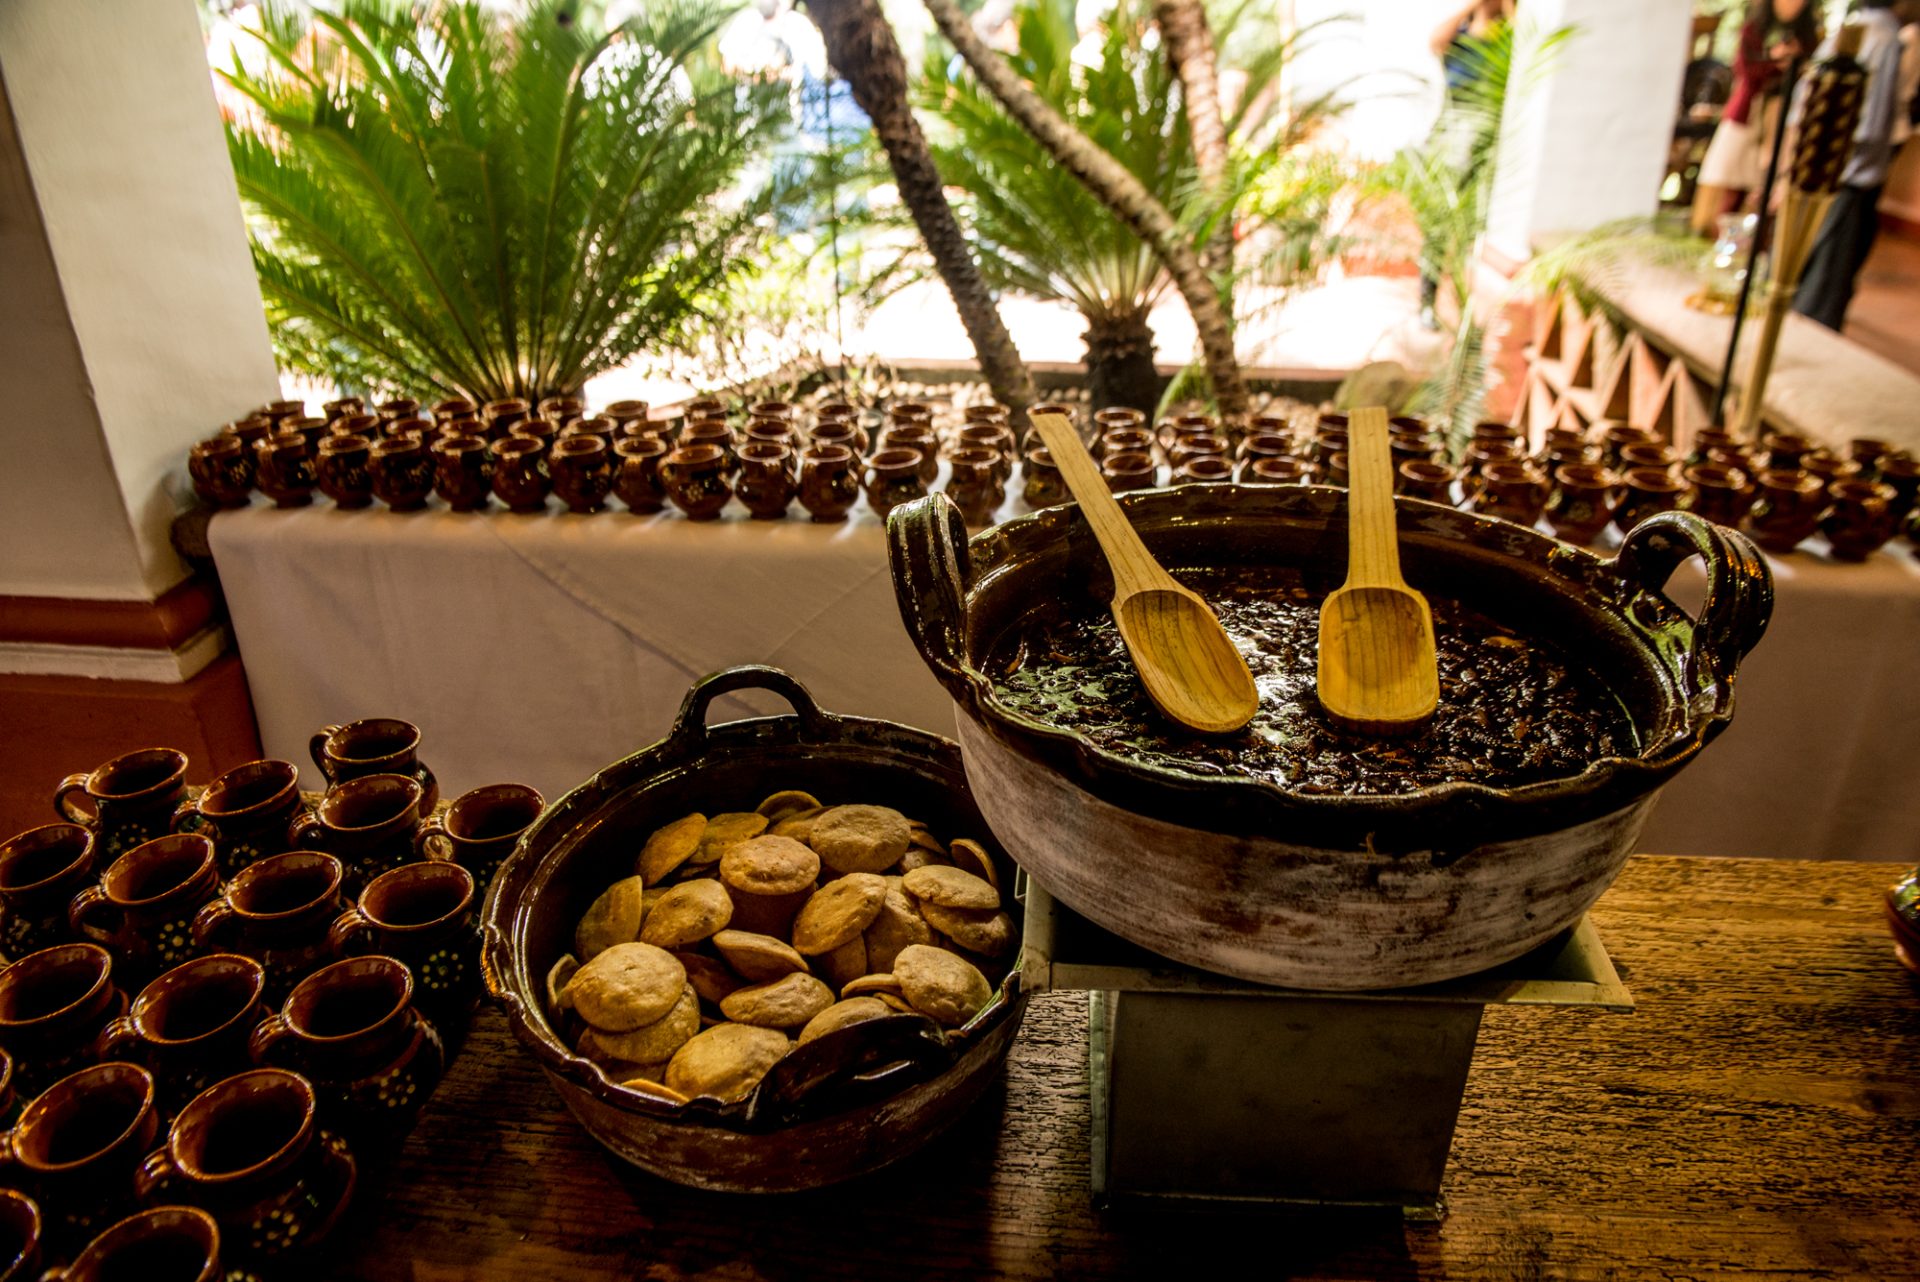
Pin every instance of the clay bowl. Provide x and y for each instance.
(841, 1106)
(1250, 879)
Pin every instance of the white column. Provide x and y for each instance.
(130, 321)
(1585, 142)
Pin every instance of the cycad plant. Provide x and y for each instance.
(446, 199)
(1038, 230)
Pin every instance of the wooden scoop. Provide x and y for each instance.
(1378, 674)
(1185, 659)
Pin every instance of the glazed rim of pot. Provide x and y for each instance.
(957, 595)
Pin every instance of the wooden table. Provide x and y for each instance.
(1757, 1116)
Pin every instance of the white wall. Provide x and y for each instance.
(125, 163)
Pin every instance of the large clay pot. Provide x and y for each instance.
(1245, 877)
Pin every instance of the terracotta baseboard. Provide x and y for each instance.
(59, 725)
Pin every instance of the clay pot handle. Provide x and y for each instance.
(317, 749)
(85, 908)
(154, 1179)
(689, 733)
(1739, 599)
(116, 1040)
(432, 841)
(214, 919)
(306, 832)
(264, 1043)
(187, 818)
(927, 539)
(63, 805)
(352, 933)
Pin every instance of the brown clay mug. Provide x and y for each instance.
(636, 478)
(351, 1029)
(1786, 509)
(1129, 470)
(20, 1229)
(998, 437)
(143, 909)
(1042, 485)
(133, 798)
(1511, 490)
(1900, 472)
(367, 425)
(462, 471)
(1648, 454)
(627, 411)
(1647, 492)
(766, 484)
(53, 1004)
(189, 1027)
(341, 470)
(482, 826)
(277, 911)
(1204, 469)
(520, 476)
(843, 432)
(164, 1244)
(1335, 471)
(1265, 445)
(454, 408)
(369, 824)
(829, 482)
(1784, 449)
(1261, 470)
(561, 408)
(1614, 437)
(246, 812)
(975, 485)
(1583, 499)
(426, 915)
(1860, 520)
(41, 870)
(582, 469)
(283, 467)
(719, 435)
(76, 1147)
(500, 416)
(401, 472)
(1721, 494)
(1192, 444)
(920, 438)
(1425, 479)
(1828, 467)
(540, 430)
(249, 1150)
(221, 468)
(1119, 417)
(696, 478)
(895, 475)
(373, 746)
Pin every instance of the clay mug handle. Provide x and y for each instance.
(155, 1178)
(317, 749)
(64, 807)
(215, 919)
(306, 832)
(351, 934)
(431, 840)
(265, 1042)
(86, 906)
(116, 1040)
(187, 818)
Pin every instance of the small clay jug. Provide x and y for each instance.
(310, 430)
(1265, 445)
(20, 1233)
(582, 469)
(1786, 509)
(520, 476)
(1721, 494)
(1648, 454)
(1613, 437)
(717, 433)
(705, 407)
(989, 412)
(829, 482)
(53, 1004)
(143, 909)
(462, 471)
(1511, 490)
(164, 1244)
(769, 431)
(221, 468)
(247, 812)
(999, 438)
(894, 476)
(427, 915)
(76, 1147)
(373, 746)
(974, 484)
(251, 430)
(1128, 440)
(623, 412)
(1129, 470)
(277, 911)
(343, 407)
(1582, 501)
(1412, 447)
(1041, 483)
(189, 1027)
(41, 870)
(133, 798)
(1900, 472)
(352, 1030)
(558, 409)
(1828, 467)
(1119, 418)
(902, 412)
(1867, 451)
(1488, 430)
(1482, 453)
(840, 431)
(1709, 439)
(283, 467)
(1204, 469)
(1648, 492)
(480, 829)
(401, 471)
(1860, 520)
(341, 470)
(250, 1151)
(1335, 471)
(1261, 470)
(1327, 443)
(500, 416)
(636, 478)
(422, 429)
(1563, 445)
(398, 408)
(920, 438)
(1425, 479)
(454, 408)
(369, 824)
(537, 429)
(1192, 443)
(766, 484)
(696, 479)
(367, 425)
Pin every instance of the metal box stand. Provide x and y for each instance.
(1212, 1088)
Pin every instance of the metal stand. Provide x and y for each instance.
(1205, 1087)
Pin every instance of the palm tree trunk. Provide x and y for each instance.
(861, 47)
(1120, 191)
(1120, 362)
(1189, 45)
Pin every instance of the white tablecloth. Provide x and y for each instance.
(541, 648)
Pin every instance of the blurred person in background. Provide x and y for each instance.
(1774, 34)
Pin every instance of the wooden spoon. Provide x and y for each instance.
(1185, 658)
(1378, 674)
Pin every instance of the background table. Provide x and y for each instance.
(541, 648)
(1756, 1117)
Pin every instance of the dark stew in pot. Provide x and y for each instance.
(1513, 709)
